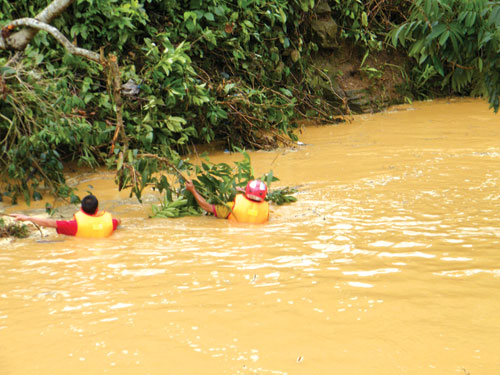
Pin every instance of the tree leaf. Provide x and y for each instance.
(209, 16)
(436, 31)
(444, 37)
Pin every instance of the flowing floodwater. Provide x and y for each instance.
(388, 263)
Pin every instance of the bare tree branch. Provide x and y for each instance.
(116, 84)
(20, 39)
(35, 24)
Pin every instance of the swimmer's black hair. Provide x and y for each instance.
(90, 204)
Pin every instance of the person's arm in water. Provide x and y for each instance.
(201, 201)
(51, 223)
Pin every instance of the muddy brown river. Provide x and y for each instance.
(388, 263)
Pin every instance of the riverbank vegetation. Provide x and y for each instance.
(134, 84)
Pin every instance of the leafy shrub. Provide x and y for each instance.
(456, 44)
(204, 70)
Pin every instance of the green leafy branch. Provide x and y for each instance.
(219, 184)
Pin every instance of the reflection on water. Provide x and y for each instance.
(387, 264)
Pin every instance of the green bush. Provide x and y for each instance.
(455, 43)
(204, 70)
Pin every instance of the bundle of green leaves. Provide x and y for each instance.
(218, 183)
(13, 229)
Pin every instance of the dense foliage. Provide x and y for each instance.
(455, 44)
(195, 71)
(365, 23)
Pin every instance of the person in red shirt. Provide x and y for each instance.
(88, 222)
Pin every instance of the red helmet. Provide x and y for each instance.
(256, 190)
